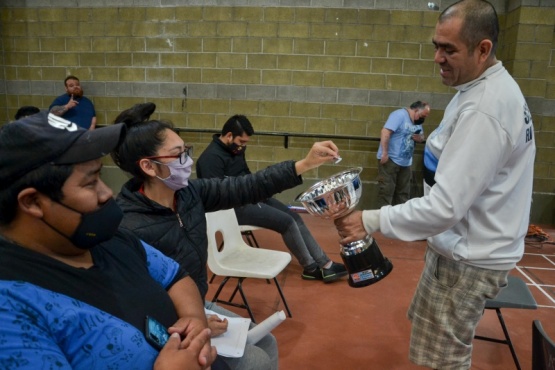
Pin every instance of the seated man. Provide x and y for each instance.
(75, 290)
(225, 156)
(74, 106)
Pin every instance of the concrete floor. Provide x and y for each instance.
(335, 326)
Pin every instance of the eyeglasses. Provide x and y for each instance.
(188, 152)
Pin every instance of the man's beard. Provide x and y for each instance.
(77, 94)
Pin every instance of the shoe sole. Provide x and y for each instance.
(334, 277)
(306, 277)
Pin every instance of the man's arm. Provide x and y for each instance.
(192, 319)
(187, 300)
(210, 165)
(93, 124)
(59, 109)
(384, 143)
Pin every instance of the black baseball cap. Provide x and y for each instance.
(43, 138)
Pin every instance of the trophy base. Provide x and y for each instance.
(364, 262)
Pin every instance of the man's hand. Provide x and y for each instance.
(350, 227)
(71, 103)
(192, 357)
(320, 153)
(384, 158)
(419, 138)
(189, 329)
(60, 110)
(217, 326)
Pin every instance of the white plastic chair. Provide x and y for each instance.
(247, 232)
(238, 260)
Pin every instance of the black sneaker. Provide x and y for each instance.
(336, 271)
(316, 274)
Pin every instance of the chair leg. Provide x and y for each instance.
(246, 304)
(224, 282)
(282, 297)
(506, 341)
(238, 288)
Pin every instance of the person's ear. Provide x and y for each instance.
(30, 201)
(228, 138)
(147, 166)
(484, 48)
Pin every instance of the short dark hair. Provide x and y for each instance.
(70, 77)
(47, 179)
(480, 22)
(142, 139)
(25, 111)
(238, 125)
(419, 105)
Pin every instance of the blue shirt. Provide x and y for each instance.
(55, 316)
(82, 114)
(401, 145)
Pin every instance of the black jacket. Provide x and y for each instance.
(182, 235)
(217, 161)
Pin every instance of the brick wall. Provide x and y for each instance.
(322, 67)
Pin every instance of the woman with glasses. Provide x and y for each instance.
(166, 209)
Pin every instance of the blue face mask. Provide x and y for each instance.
(179, 174)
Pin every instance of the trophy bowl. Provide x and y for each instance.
(335, 197)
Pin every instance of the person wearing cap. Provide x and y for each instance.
(75, 290)
(73, 106)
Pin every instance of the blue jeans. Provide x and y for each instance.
(274, 215)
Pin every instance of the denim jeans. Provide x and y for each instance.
(274, 215)
(393, 183)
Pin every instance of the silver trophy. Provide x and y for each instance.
(336, 197)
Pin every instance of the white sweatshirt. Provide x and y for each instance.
(478, 210)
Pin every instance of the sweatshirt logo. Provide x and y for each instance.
(528, 121)
(61, 123)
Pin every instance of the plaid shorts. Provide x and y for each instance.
(446, 308)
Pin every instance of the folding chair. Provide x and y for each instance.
(543, 348)
(238, 260)
(515, 295)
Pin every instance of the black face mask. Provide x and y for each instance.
(96, 226)
(419, 121)
(236, 148)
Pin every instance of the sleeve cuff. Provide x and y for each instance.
(371, 220)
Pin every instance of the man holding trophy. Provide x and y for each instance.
(477, 193)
